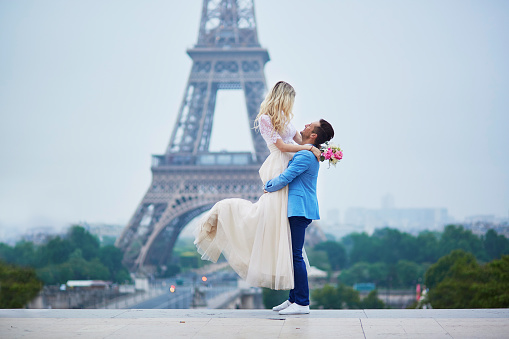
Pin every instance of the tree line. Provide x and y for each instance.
(77, 255)
(391, 258)
(460, 269)
(458, 280)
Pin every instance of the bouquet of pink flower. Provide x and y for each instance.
(332, 153)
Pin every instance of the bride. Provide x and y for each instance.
(255, 237)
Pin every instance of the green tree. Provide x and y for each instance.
(76, 268)
(111, 257)
(456, 237)
(468, 285)
(24, 254)
(55, 251)
(372, 301)
(365, 272)
(326, 297)
(6, 253)
(427, 247)
(385, 245)
(80, 238)
(339, 297)
(395, 245)
(379, 272)
(349, 297)
(408, 273)
(355, 274)
(318, 259)
(83, 269)
(447, 266)
(363, 248)
(190, 259)
(495, 245)
(451, 280)
(336, 254)
(55, 274)
(95, 270)
(76, 256)
(492, 289)
(18, 286)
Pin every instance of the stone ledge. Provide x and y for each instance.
(259, 314)
(221, 324)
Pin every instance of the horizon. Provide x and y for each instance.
(186, 233)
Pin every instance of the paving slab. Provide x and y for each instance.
(205, 323)
(439, 313)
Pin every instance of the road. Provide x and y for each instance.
(181, 298)
(217, 283)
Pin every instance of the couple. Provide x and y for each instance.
(263, 241)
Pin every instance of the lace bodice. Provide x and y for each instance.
(270, 135)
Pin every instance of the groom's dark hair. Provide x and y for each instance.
(324, 133)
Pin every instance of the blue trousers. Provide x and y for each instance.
(300, 292)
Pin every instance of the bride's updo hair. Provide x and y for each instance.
(278, 105)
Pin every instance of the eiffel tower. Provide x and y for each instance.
(188, 179)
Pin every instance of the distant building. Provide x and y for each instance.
(40, 235)
(412, 220)
(480, 224)
(358, 219)
(87, 284)
(333, 216)
(388, 202)
(336, 230)
(104, 231)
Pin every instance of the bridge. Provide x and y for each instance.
(218, 293)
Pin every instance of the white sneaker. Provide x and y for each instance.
(282, 306)
(295, 309)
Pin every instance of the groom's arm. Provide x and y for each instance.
(299, 164)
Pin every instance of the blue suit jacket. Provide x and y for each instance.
(300, 176)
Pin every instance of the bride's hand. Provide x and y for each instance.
(316, 152)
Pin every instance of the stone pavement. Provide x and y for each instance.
(322, 324)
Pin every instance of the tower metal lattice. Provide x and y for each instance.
(188, 179)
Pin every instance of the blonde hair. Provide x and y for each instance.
(278, 105)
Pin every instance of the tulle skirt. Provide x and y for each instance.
(255, 237)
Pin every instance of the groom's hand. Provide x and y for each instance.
(265, 191)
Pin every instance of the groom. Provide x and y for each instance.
(301, 176)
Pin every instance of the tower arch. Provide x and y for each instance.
(188, 179)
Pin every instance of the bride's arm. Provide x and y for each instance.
(270, 135)
(295, 148)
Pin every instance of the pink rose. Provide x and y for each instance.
(328, 154)
(338, 155)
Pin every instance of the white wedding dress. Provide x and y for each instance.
(254, 238)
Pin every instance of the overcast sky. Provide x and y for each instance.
(417, 92)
